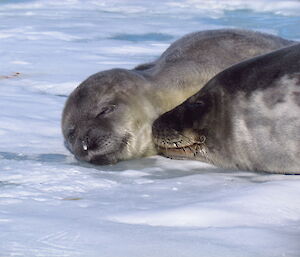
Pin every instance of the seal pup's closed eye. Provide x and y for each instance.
(247, 117)
(108, 117)
(101, 119)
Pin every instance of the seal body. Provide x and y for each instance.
(247, 117)
(108, 117)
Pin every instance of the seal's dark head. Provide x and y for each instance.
(105, 118)
(182, 132)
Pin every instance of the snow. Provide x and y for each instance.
(52, 205)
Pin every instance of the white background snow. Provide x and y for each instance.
(52, 205)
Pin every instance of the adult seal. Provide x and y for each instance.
(108, 117)
(247, 117)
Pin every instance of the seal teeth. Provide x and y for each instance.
(84, 146)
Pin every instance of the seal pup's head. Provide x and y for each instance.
(108, 118)
(183, 132)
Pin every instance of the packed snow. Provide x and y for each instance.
(53, 205)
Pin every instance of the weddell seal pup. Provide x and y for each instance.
(108, 117)
(247, 117)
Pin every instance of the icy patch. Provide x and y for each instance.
(143, 37)
(60, 89)
(133, 50)
(29, 34)
(53, 205)
(137, 7)
(19, 62)
(270, 203)
(289, 8)
(51, 34)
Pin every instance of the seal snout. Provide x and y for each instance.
(95, 141)
(169, 133)
(84, 145)
(95, 150)
(88, 142)
(166, 130)
(99, 146)
(174, 138)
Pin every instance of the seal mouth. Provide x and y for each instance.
(182, 148)
(184, 152)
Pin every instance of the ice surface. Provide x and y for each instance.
(52, 205)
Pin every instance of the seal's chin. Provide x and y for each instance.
(186, 152)
(99, 159)
(104, 159)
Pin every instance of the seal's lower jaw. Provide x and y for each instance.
(187, 152)
(98, 159)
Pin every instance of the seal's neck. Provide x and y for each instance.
(217, 128)
(165, 97)
(170, 87)
(169, 98)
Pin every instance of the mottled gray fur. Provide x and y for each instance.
(247, 117)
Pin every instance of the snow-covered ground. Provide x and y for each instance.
(52, 205)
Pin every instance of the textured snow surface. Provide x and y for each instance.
(52, 205)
